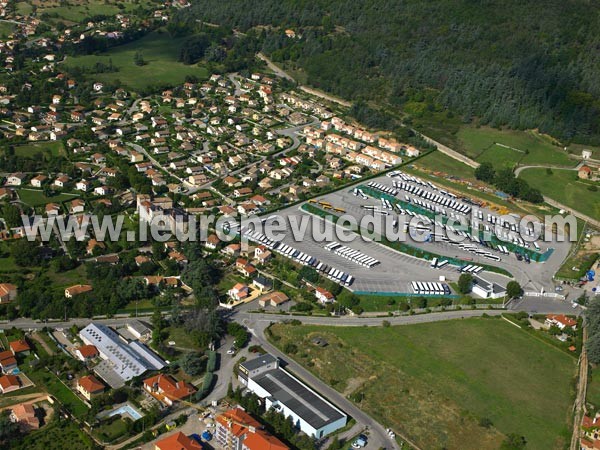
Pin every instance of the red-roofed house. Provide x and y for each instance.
(168, 390)
(89, 386)
(8, 292)
(20, 346)
(324, 296)
(238, 292)
(177, 441)
(231, 429)
(561, 321)
(8, 361)
(24, 415)
(87, 352)
(9, 383)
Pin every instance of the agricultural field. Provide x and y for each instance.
(477, 380)
(74, 11)
(510, 147)
(54, 437)
(35, 198)
(564, 187)
(160, 53)
(48, 150)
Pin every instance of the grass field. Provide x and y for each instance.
(54, 437)
(593, 389)
(78, 10)
(47, 149)
(564, 187)
(159, 51)
(6, 28)
(436, 382)
(34, 197)
(56, 388)
(439, 162)
(523, 147)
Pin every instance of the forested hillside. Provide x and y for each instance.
(525, 64)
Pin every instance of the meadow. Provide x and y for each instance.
(564, 187)
(160, 53)
(457, 384)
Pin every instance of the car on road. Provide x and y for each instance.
(231, 351)
(360, 442)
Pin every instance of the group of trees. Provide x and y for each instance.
(480, 60)
(592, 317)
(506, 181)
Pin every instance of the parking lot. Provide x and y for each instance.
(396, 270)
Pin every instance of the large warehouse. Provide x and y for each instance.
(281, 391)
(122, 360)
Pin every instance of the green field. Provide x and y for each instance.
(564, 187)
(55, 437)
(160, 53)
(439, 162)
(55, 387)
(77, 10)
(34, 197)
(47, 149)
(593, 388)
(6, 28)
(522, 147)
(435, 382)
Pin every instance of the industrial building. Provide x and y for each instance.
(280, 390)
(122, 359)
(487, 289)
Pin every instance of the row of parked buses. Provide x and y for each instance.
(356, 256)
(437, 264)
(300, 257)
(429, 288)
(359, 193)
(382, 188)
(471, 268)
(433, 197)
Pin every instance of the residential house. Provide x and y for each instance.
(9, 383)
(561, 321)
(167, 390)
(8, 292)
(16, 179)
(238, 292)
(89, 386)
(38, 181)
(86, 352)
(274, 299)
(19, 346)
(324, 296)
(24, 414)
(177, 441)
(76, 290)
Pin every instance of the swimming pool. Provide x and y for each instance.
(126, 410)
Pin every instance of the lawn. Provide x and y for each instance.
(159, 51)
(79, 10)
(61, 280)
(55, 436)
(435, 382)
(55, 387)
(593, 389)
(524, 147)
(439, 162)
(110, 430)
(6, 28)
(47, 149)
(564, 187)
(35, 198)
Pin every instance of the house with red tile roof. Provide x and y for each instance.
(177, 441)
(78, 289)
(19, 346)
(9, 383)
(167, 390)
(561, 321)
(244, 432)
(324, 296)
(8, 292)
(8, 361)
(24, 415)
(89, 386)
(87, 352)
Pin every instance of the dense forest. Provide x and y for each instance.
(521, 64)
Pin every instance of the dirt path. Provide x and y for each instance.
(579, 405)
(40, 341)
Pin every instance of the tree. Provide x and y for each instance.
(513, 442)
(192, 363)
(8, 429)
(485, 172)
(138, 59)
(513, 289)
(465, 282)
